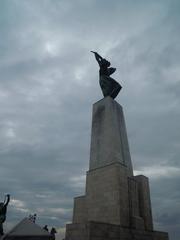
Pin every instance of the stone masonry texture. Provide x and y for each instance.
(116, 204)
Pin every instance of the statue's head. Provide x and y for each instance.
(106, 63)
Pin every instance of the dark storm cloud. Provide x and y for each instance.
(49, 81)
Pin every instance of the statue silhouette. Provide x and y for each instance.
(3, 210)
(108, 85)
(46, 228)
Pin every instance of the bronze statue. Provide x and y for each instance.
(46, 228)
(108, 85)
(3, 210)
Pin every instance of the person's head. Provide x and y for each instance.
(53, 230)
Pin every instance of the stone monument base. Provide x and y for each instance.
(116, 204)
(104, 231)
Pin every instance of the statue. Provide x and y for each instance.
(3, 210)
(46, 228)
(108, 85)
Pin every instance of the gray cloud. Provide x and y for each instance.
(49, 82)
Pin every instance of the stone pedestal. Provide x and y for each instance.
(116, 204)
(109, 143)
(105, 231)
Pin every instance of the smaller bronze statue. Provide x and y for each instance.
(108, 85)
(3, 210)
(46, 228)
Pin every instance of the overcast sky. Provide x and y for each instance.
(49, 81)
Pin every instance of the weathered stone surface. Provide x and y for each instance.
(80, 210)
(107, 195)
(104, 231)
(77, 231)
(116, 204)
(109, 143)
(133, 197)
(145, 201)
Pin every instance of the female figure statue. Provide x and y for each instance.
(108, 85)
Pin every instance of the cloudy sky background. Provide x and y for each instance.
(49, 81)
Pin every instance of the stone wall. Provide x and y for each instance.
(109, 142)
(107, 195)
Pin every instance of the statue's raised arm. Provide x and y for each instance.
(108, 85)
(98, 57)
